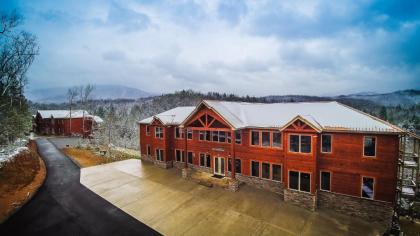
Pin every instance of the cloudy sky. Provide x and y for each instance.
(244, 47)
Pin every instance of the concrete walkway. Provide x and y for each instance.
(63, 206)
(172, 206)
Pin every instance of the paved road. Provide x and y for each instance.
(63, 206)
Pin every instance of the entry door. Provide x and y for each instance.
(219, 165)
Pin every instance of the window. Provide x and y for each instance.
(325, 181)
(179, 155)
(147, 130)
(215, 136)
(368, 187)
(255, 168)
(265, 170)
(326, 143)
(179, 133)
(222, 136)
(294, 180)
(190, 157)
(158, 132)
(265, 139)
(294, 143)
(276, 172)
(208, 135)
(159, 154)
(202, 159)
(238, 166)
(276, 139)
(205, 160)
(202, 135)
(305, 182)
(255, 138)
(369, 147)
(238, 136)
(149, 150)
(208, 160)
(300, 143)
(228, 137)
(189, 134)
(300, 181)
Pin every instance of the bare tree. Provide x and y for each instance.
(84, 94)
(72, 93)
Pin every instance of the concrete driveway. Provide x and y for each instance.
(62, 206)
(173, 206)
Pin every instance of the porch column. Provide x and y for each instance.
(186, 151)
(232, 151)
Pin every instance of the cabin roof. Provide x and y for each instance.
(174, 116)
(322, 116)
(65, 114)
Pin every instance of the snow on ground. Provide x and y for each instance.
(11, 151)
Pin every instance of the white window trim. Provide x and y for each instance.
(272, 139)
(259, 138)
(182, 155)
(310, 181)
(192, 134)
(300, 143)
(250, 169)
(320, 180)
(331, 143)
(281, 174)
(240, 132)
(374, 187)
(180, 131)
(269, 170)
(161, 132)
(148, 132)
(376, 146)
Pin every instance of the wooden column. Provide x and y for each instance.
(186, 150)
(232, 151)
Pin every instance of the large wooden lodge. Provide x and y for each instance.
(318, 154)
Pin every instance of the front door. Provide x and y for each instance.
(219, 165)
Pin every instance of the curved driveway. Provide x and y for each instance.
(63, 206)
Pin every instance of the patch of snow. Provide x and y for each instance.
(9, 152)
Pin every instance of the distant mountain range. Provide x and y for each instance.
(59, 94)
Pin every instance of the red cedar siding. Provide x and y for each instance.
(345, 162)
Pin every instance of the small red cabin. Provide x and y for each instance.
(62, 122)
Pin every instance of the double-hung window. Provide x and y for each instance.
(300, 143)
(325, 180)
(276, 139)
(179, 133)
(265, 170)
(369, 146)
(255, 138)
(255, 168)
(159, 155)
(276, 172)
(147, 130)
(265, 138)
(158, 132)
(179, 155)
(300, 181)
(190, 157)
(368, 189)
(326, 145)
(189, 134)
(238, 136)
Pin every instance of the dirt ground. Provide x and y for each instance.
(19, 180)
(87, 157)
(171, 205)
(410, 228)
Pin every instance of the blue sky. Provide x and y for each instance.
(244, 47)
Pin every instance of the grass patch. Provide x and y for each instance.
(89, 157)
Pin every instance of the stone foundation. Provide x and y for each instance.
(179, 165)
(164, 164)
(302, 199)
(364, 208)
(147, 158)
(186, 173)
(233, 185)
(201, 168)
(272, 186)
